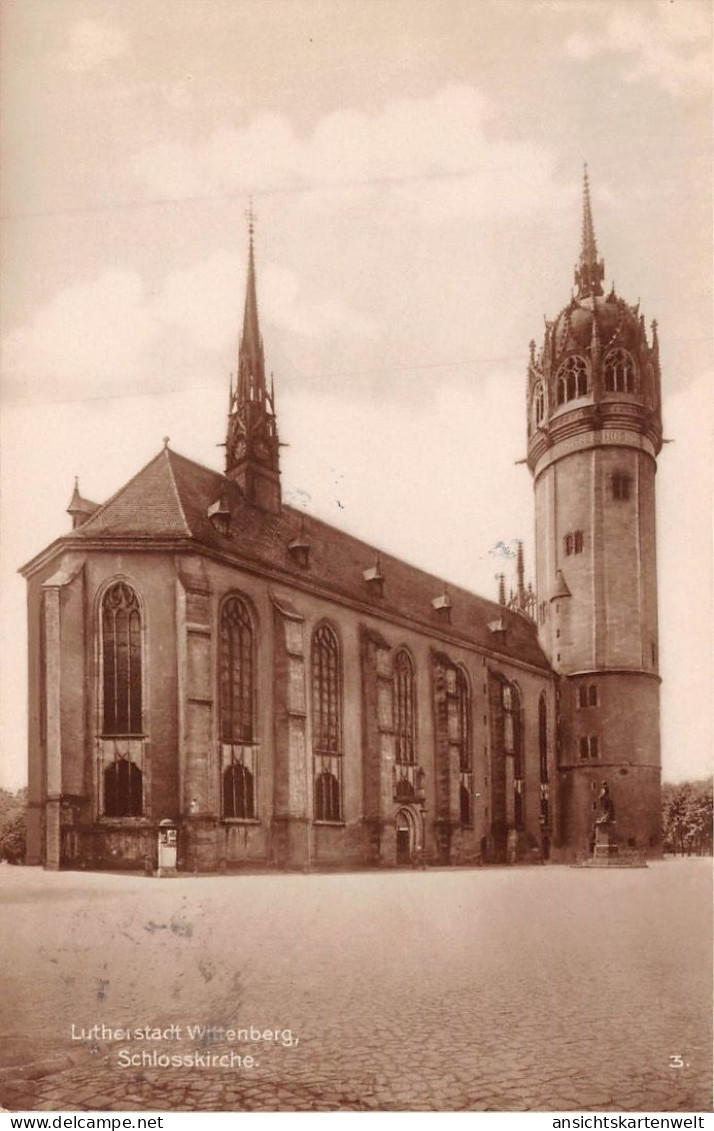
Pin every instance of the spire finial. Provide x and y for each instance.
(588, 250)
(590, 271)
(167, 440)
(251, 218)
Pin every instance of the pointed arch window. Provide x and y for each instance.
(619, 372)
(539, 404)
(572, 379)
(404, 708)
(236, 672)
(237, 709)
(465, 752)
(120, 783)
(543, 757)
(326, 724)
(513, 743)
(121, 662)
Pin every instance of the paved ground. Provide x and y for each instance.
(486, 989)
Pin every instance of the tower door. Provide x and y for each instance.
(406, 837)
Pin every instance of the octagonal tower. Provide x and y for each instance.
(594, 432)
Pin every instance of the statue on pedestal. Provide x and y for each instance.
(607, 807)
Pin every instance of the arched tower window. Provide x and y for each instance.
(572, 379)
(619, 372)
(121, 661)
(237, 707)
(539, 404)
(462, 736)
(327, 724)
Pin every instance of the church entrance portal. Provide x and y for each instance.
(406, 837)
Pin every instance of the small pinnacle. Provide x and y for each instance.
(166, 442)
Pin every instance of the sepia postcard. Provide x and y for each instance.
(356, 557)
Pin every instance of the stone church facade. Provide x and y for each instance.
(291, 697)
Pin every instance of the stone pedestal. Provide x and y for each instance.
(605, 847)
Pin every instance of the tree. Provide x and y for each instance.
(13, 825)
(687, 817)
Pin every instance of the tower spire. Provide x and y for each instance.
(590, 271)
(252, 445)
(251, 364)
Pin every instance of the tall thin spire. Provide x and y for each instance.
(252, 446)
(590, 271)
(251, 365)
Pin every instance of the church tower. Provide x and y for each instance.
(252, 445)
(594, 432)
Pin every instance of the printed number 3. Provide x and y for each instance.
(676, 1061)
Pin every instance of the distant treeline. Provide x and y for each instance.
(13, 807)
(687, 817)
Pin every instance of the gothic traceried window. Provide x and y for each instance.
(619, 372)
(513, 744)
(543, 737)
(326, 725)
(404, 708)
(237, 674)
(462, 711)
(121, 661)
(543, 758)
(572, 379)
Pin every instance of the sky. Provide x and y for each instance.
(416, 172)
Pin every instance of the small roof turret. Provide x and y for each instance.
(80, 508)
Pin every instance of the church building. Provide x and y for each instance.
(288, 696)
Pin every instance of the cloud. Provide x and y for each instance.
(284, 306)
(111, 334)
(666, 43)
(433, 154)
(92, 44)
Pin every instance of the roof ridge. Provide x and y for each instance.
(166, 451)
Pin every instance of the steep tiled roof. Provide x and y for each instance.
(170, 497)
(149, 503)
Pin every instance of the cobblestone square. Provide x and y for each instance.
(479, 989)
